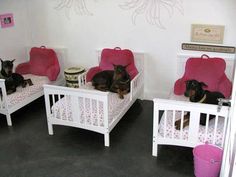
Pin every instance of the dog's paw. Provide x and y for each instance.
(177, 125)
(121, 96)
(30, 83)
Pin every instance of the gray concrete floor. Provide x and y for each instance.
(26, 149)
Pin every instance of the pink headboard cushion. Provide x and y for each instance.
(211, 71)
(91, 72)
(43, 62)
(118, 57)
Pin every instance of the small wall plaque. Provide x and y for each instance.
(207, 33)
(208, 48)
(7, 20)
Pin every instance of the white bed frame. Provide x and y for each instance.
(161, 106)
(53, 92)
(4, 103)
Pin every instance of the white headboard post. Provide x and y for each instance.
(183, 57)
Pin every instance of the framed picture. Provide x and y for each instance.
(207, 33)
(7, 20)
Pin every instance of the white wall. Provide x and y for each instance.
(14, 39)
(111, 26)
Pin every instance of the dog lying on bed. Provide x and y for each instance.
(12, 80)
(196, 93)
(117, 81)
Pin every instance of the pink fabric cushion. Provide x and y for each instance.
(210, 71)
(92, 72)
(23, 68)
(43, 62)
(117, 57)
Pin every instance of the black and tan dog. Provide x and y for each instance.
(117, 81)
(196, 93)
(12, 80)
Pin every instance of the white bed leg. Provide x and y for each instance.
(50, 129)
(154, 149)
(9, 122)
(107, 139)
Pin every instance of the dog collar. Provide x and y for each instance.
(203, 99)
(125, 82)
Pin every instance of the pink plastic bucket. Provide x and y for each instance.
(207, 160)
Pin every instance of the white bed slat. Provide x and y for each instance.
(66, 107)
(165, 119)
(60, 107)
(194, 122)
(53, 103)
(173, 124)
(215, 128)
(206, 127)
(224, 130)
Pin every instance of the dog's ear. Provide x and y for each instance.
(1, 60)
(187, 82)
(203, 84)
(13, 60)
(114, 66)
(126, 66)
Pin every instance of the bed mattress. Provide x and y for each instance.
(91, 113)
(202, 129)
(23, 93)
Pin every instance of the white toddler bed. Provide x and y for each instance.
(23, 96)
(167, 111)
(88, 108)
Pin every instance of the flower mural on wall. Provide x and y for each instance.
(153, 9)
(79, 7)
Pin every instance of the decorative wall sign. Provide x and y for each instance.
(7, 20)
(79, 7)
(208, 48)
(207, 33)
(153, 9)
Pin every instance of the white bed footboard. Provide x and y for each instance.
(166, 112)
(87, 109)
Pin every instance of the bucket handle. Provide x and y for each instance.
(205, 56)
(214, 161)
(117, 48)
